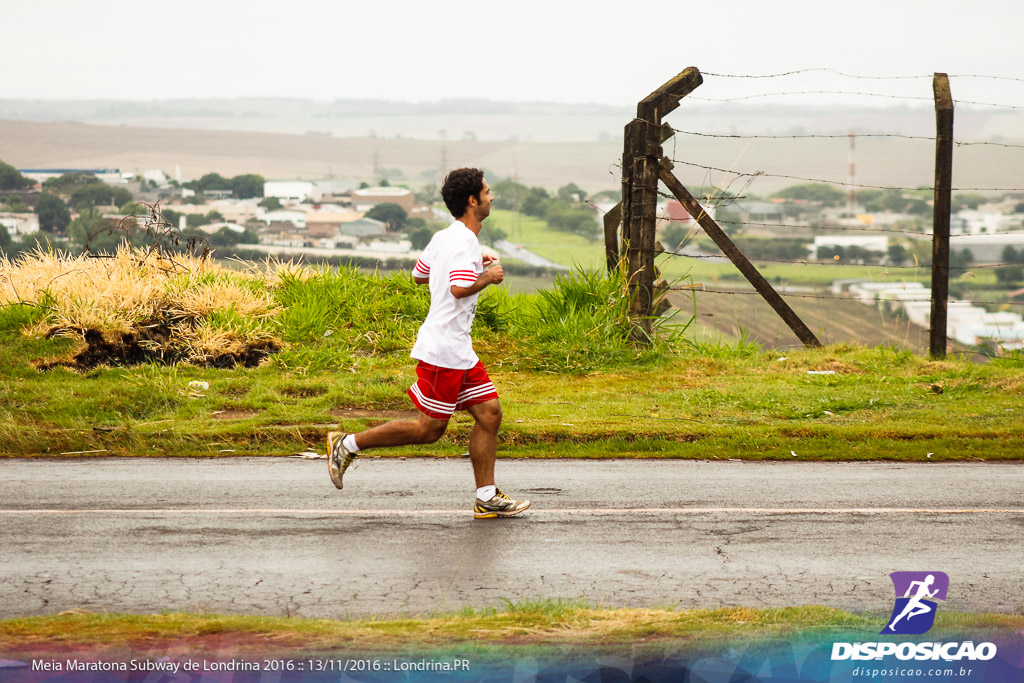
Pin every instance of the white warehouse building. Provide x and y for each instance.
(295, 190)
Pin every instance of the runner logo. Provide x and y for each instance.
(914, 613)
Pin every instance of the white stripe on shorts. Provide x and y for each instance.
(431, 404)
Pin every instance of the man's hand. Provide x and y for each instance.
(491, 276)
(496, 273)
(489, 259)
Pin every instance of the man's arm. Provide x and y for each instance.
(491, 276)
(422, 280)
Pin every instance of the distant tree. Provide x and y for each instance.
(897, 254)
(11, 178)
(99, 194)
(91, 230)
(420, 237)
(829, 252)
(364, 185)
(428, 194)
(6, 241)
(535, 202)
(1019, 208)
(490, 235)
(816, 192)
(607, 196)
(571, 193)
(225, 237)
(415, 223)
(918, 207)
(1009, 275)
(567, 218)
(868, 196)
(69, 182)
(391, 214)
(672, 236)
(966, 200)
(54, 215)
(509, 195)
(210, 181)
(960, 258)
(884, 200)
(14, 204)
(247, 186)
(215, 217)
(194, 220)
(170, 216)
(271, 204)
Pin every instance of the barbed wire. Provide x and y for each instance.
(808, 226)
(741, 292)
(837, 182)
(829, 264)
(858, 76)
(959, 143)
(851, 93)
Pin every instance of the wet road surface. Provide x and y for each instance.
(273, 536)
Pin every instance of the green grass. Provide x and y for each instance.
(539, 628)
(706, 400)
(573, 384)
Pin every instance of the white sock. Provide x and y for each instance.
(349, 442)
(485, 493)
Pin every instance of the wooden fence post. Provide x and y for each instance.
(941, 215)
(727, 246)
(641, 155)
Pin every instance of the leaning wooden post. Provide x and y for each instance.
(641, 154)
(727, 246)
(942, 210)
(611, 237)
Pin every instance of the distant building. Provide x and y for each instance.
(676, 212)
(111, 176)
(214, 228)
(293, 190)
(326, 223)
(20, 223)
(763, 212)
(364, 227)
(367, 198)
(296, 218)
(987, 248)
(879, 243)
(971, 222)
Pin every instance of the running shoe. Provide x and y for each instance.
(338, 458)
(499, 506)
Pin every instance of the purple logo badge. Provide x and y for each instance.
(914, 611)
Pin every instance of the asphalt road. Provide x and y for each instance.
(273, 536)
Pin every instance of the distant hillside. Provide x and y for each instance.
(502, 121)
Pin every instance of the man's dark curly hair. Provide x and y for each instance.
(459, 186)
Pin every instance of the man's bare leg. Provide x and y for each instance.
(483, 440)
(422, 430)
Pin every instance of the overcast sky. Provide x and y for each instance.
(522, 50)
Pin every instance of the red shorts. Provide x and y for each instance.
(438, 392)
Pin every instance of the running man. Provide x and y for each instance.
(914, 606)
(450, 376)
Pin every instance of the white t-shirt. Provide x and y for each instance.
(452, 258)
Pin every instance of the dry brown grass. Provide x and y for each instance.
(182, 307)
